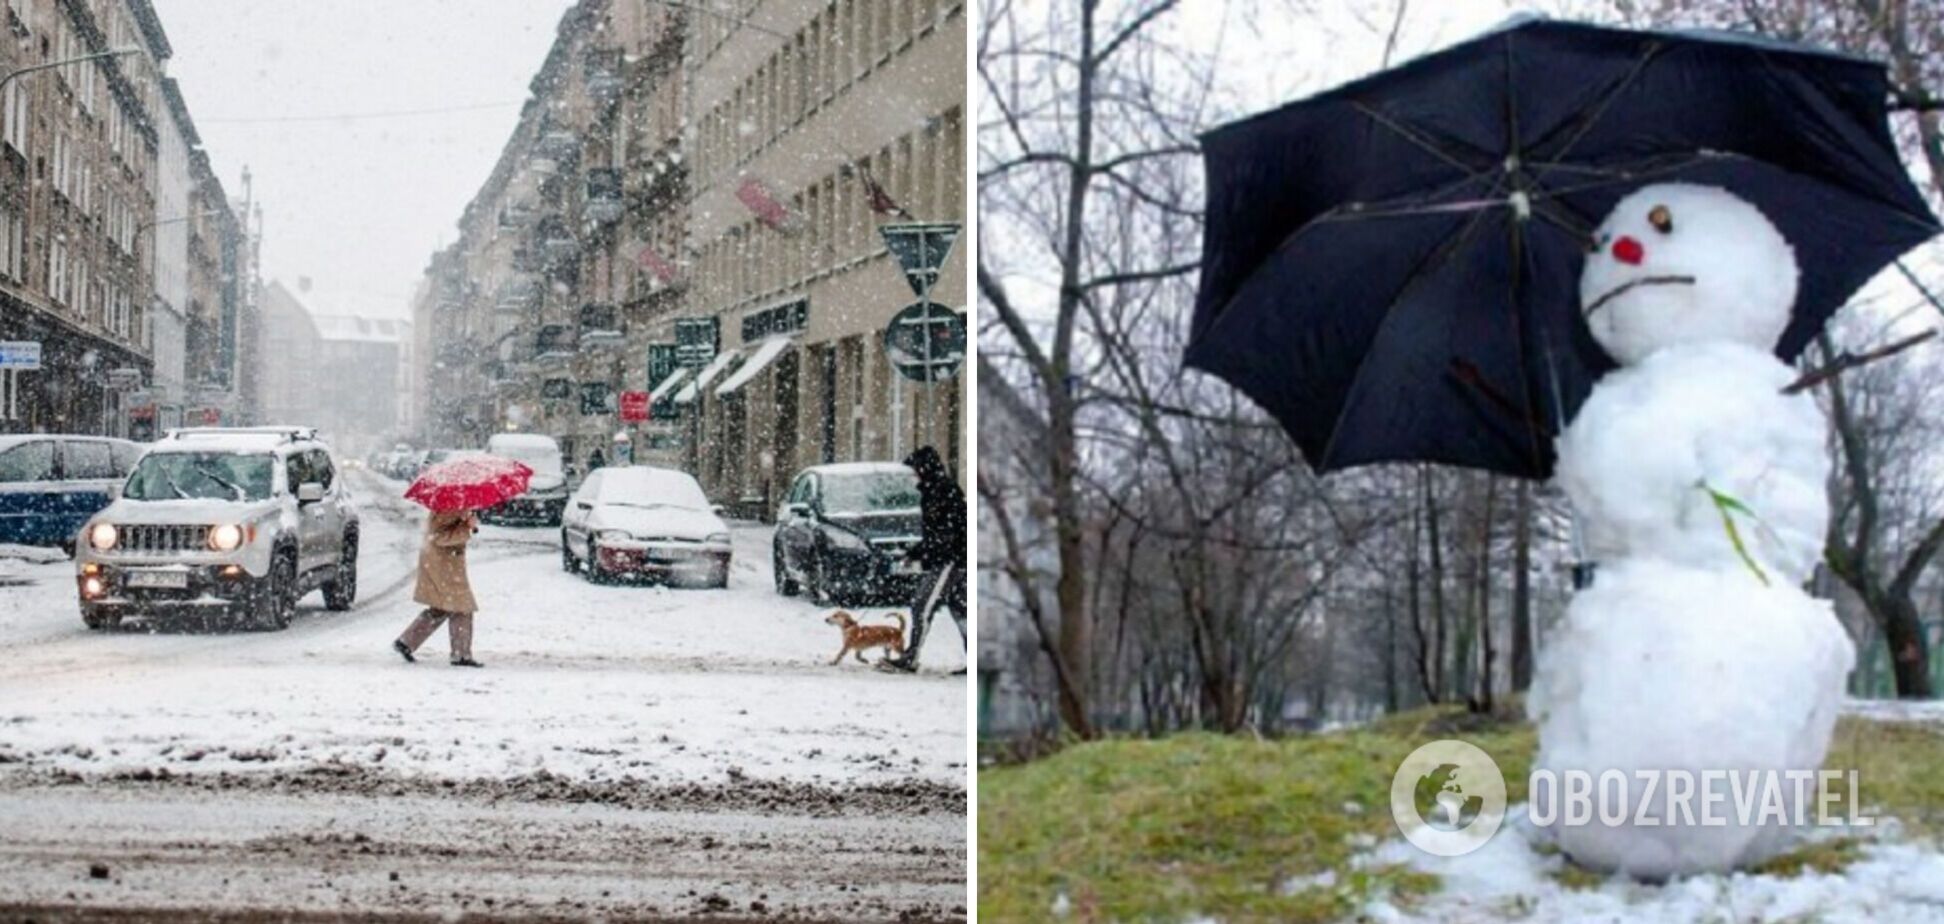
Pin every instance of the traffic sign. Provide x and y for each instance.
(634, 406)
(20, 354)
(921, 248)
(926, 342)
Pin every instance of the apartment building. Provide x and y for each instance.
(690, 208)
(847, 115)
(101, 180)
(78, 150)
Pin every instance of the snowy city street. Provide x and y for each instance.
(632, 748)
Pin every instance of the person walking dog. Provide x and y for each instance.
(940, 551)
(444, 588)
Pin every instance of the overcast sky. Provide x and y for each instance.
(356, 204)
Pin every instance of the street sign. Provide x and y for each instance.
(634, 406)
(20, 354)
(921, 248)
(926, 342)
(124, 377)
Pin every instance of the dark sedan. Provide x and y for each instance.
(843, 532)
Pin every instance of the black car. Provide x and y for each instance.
(843, 532)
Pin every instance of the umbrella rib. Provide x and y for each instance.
(1416, 137)
(1607, 100)
(1431, 263)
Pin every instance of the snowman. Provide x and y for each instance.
(1700, 487)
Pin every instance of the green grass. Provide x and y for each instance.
(1230, 827)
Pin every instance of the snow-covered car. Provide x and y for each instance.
(546, 495)
(231, 525)
(51, 483)
(843, 531)
(646, 521)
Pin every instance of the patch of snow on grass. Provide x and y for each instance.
(1510, 878)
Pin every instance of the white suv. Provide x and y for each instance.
(229, 525)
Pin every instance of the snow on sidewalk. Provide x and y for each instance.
(1509, 880)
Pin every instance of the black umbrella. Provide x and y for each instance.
(1391, 268)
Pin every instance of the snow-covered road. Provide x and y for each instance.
(613, 694)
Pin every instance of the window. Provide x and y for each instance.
(28, 462)
(57, 272)
(86, 460)
(15, 128)
(320, 467)
(10, 231)
(298, 470)
(60, 165)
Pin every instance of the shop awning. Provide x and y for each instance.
(707, 375)
(760, 360)
(667, 385)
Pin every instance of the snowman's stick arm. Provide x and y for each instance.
(1848, 361)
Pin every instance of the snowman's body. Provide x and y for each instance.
(1695, 649)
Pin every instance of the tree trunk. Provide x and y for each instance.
(1437, 585)
(1522, 592)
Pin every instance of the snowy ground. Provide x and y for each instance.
(655, 699)
(1507, 879)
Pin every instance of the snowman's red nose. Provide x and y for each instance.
(1628, 251)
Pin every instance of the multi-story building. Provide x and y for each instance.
(689, 208)
(168, 328)
(289, 388)
(107, 204)
(223, 339)
(799, 107)
(78, 149)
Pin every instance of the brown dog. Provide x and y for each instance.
(858, 636)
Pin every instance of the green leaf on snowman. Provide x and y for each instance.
(1728, 505)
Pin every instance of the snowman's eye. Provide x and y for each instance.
(1661, 219)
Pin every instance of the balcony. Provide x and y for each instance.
(604, 195)
(600, 326)
(517, 215)
(558, 142)
(601, 71)
(556, 242)
(519, 294)
(554, 342)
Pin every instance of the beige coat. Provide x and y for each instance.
(442, 583)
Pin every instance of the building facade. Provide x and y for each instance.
(76, 186)
(99, 165)
(690, 210)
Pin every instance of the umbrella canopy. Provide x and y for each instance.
(1391, 268)
(470, 483)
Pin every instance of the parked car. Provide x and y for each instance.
(843, 531)
(546, 495)
(639, 520)
(227, 524)
(50, 484)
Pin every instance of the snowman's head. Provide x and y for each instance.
(1677, 263)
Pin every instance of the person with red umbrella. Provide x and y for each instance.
(453, 491)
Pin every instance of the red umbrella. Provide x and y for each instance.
(471, 483)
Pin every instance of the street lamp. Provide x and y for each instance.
(115, 53)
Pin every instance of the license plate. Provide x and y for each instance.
(909, 566)
(170, 579)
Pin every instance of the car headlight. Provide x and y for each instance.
(613, 535)
(844, 539)
(103, 536)
(225, 537)
(718, 538)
